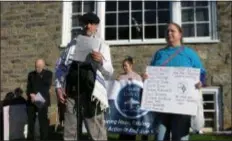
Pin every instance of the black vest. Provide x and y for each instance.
(79, 84)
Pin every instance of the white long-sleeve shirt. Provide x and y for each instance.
(65, 60)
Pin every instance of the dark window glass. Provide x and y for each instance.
(188, 30)
(163, 16)
(123, 5)
(136, 18)
(111, 5)
(150, 17)
(123, 33)
(111, 19)
(162, 31)
(187, 15)
(136, 32)
(150, 5)
(203, 29)
(123, 18)
(150, 32)
(110, 33)
(136, 5)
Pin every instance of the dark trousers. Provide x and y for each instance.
(61, 111)
(176, 124)
(43, 121)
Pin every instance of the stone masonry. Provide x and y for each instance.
(30, 30)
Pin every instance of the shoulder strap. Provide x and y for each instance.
(172, 56)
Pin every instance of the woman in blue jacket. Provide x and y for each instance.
(175, 54)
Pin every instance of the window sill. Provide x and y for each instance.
(161, 41)
(61, 46)
(156, 42)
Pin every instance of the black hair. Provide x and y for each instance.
(89, 18)
(18, 91)
(9, 96)
(129, 59)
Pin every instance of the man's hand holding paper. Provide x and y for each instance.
(97, 56)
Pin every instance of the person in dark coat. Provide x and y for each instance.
(39, 82)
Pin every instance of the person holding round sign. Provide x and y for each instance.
(175, 54)
(129, 74)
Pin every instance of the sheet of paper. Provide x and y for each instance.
(84, 46)
(39, 100)
(171, 90)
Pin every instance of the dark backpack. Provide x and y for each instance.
(85, 74)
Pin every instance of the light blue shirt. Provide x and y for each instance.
(185, 58)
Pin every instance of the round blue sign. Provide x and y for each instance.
(128, 101)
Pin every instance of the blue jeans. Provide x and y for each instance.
(177, 125)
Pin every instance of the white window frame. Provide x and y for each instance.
(215, 91)
(175, 17)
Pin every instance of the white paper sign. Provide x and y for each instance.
(39, 100)
(171, 90)
(84, 46)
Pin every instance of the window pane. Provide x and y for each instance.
(136, 32)
(163, 16)
(209, 123)
(150, 17)
(188, 30)
(123, 5)
(187, 15)
(202, 14)
(110, 33)
(162, 31)
(111, 5)
(75, 21)
(123, 33)
(89, 6)
(123, 18)
(111, 19)
(150, 5)
(163, 4)
(209, 115)
(76, 6)
(207, 97)
(209, 106)
(201, 3)
(203, 29)
(150, 32)
(76, 32)
(136, 18)
(187, 4)
(136, 5)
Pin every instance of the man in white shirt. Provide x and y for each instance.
(95, 125)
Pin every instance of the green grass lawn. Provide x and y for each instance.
(202, 137)
(211, 137)
(205, 137)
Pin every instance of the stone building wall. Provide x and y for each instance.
(29, 30)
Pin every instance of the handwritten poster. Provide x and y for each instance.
(171, 90)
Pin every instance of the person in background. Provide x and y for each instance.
(129, 74)
(176, 54)
(39, 81)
